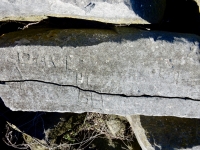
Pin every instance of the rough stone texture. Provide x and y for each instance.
(111, 11)
(93, 70)
(34, 96)
(166, 133)
(126, 61)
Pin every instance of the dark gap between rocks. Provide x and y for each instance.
(37, 124)
(2, 82)
(180, 16)
(53, 22)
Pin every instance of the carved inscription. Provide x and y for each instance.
(106, 68)
(97, 101)
(85, 98)
(45, 60)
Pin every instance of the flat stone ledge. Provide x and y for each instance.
(109, 11)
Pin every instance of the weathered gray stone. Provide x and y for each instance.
(111, 11)
(35, 96)
(129, 62)
(91, 70)
(166, 133)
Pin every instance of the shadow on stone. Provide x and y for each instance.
(146, 9)
(53, 22)
(180, 16)
(85, 37)
(168, 133)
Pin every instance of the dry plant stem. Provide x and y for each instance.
(8, 139)
(90, 132)
(82, 142)
(30, 24)
(26, 146)
(87, 144)
(9, 136)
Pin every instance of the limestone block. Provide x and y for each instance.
(110, 11)
(123, 71)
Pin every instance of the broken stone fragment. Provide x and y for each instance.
(166, 133)
(123, 71)
(117, 12)
(198, 3)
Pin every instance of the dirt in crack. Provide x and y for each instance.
(53, 22)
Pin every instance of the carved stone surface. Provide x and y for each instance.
(102, 71)
(166, 133)
(111, 11)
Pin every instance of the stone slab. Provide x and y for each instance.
(129, 71)
(166, 133)
(110, 11)
(129, 62)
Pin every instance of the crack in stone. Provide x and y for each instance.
(101, 93)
